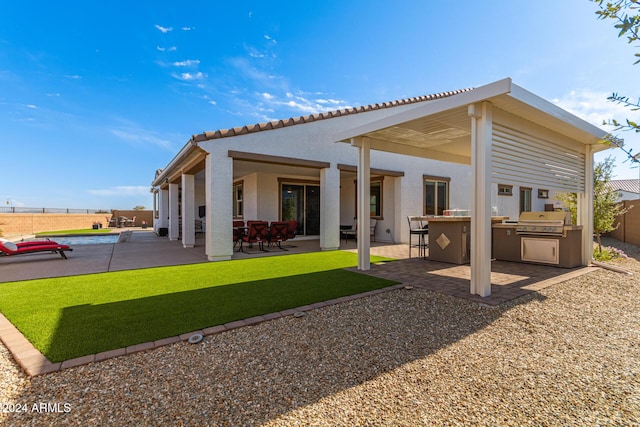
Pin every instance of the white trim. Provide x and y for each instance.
(481, 141)
(188, 211)
(585, 208)
(174, 190)
(364, 189)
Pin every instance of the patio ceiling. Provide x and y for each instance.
(441, 129)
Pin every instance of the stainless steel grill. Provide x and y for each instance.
(543, 223)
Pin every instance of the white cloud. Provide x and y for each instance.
(187, 63)
(164, 30)
(213, 103)
(592, 106)
(271, 39)
(122, 190)
(73, 76)
(307, 106)
(31, 106)
(164, 49)
(135, 135)
(267, 96)
(189, 76)
(53, 94)
(188, 28)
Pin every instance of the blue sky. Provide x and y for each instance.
(95, 96)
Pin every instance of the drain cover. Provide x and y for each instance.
(195, 338)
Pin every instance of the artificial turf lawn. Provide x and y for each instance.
(74, 316)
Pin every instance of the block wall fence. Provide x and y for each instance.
(18, 224)
(629, 228)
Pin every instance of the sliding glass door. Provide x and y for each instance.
(301, 202)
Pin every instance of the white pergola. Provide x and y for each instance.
(508, 135)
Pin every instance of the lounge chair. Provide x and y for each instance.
(8, 248)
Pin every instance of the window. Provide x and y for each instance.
(505, 190)
(436, 195)
(375, 197)
(543, 194)
(525, 199)
(238, 208)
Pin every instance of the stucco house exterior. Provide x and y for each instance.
(463, 149)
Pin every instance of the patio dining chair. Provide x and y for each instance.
(353, 232)
(419, 227)
(292, 225)
(278, 231)
(256, 233)
(130, 222)
(238, 232)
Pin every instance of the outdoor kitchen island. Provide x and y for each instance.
(539, 238)
(450, 238)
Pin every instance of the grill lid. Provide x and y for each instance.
(561, 218)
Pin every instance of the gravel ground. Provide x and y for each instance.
(565, 356)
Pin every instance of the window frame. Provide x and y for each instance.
(238, 205)
(436, 180)
(505, 190)
(379, 180)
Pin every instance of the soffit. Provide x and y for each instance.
(444, 133)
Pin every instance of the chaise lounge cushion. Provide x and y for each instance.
(9, 245)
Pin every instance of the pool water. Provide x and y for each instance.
(84, 240)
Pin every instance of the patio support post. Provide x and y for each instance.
(188, 211)
(481, 141)
(364, 192)
(173, 212)
(329, 209)
(219, 212)
(163, 210)
(585, 208)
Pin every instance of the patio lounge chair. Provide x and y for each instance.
(8, 248)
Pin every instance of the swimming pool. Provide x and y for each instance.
(85, 239)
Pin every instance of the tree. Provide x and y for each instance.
(627, 21)
(138, 208)
(605, 201)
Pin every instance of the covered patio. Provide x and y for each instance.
(508, 135)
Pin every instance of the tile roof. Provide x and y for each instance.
(276, 124)
(630, 185)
